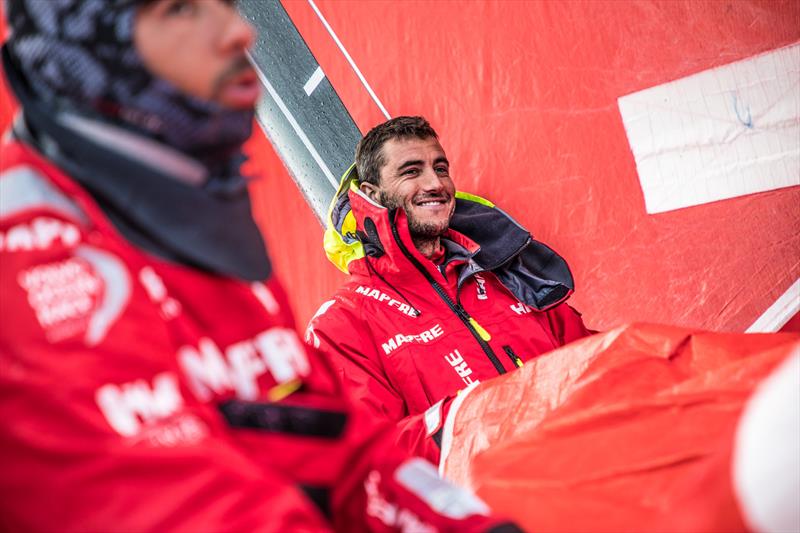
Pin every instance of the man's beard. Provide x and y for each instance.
(420, 230)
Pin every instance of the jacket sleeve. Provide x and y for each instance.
(339, 334)
(567, 324)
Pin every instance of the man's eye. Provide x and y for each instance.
(181, 7)
(442, 170)
(410, 172)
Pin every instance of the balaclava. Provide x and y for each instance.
(79, 55)
(76, 58)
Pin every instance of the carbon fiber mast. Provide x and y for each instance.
(300, 112)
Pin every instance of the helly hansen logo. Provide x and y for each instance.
(391, 302)
(481, 287)
(425, 337)
(521, 309)
(460, 366)
(211, 371)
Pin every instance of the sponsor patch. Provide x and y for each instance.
(212, 371)
(481, 286)
(461, 367)
(63, 295)
(388, 300)
(422, 338)
(521, 309)
(39, 234)
(150, 411)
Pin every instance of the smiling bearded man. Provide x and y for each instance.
(445, 289)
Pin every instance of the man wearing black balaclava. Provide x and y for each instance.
(151, 375)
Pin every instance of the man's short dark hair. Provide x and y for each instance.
(369, 151)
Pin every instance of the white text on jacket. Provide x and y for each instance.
(39, 234)
(391, 302)
(521, 309)
(425, 337)
(210, 372)
(153, 413)
(460, 366)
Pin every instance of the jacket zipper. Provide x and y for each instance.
(480, 334)
(514, 357)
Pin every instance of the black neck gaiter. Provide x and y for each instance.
(203, 226)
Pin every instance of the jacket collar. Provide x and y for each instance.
(387, 241)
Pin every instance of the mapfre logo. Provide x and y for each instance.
(212, 371)
(39, 234)
(151, 411)
(461, 367)
(422, 338)
(388, 300)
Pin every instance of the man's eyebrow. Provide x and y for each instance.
(411, 163)
(415, 162)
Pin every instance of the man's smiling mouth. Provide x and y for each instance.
(431, 202)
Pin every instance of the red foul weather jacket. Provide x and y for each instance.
(408, 334)
(143, 395)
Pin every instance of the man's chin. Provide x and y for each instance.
(421, 230)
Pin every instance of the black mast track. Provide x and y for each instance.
(314, 134)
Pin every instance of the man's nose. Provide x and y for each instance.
(238, 35)
(431, 181)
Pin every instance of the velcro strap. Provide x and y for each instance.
(277, 418)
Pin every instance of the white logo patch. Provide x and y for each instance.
(62, 295)
(84, 294)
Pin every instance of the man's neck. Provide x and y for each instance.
(428, 247)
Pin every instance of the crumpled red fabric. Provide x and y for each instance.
(630, 430)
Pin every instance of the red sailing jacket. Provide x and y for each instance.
(406, 333)
(143, 395)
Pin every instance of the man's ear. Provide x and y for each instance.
(370, 190)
